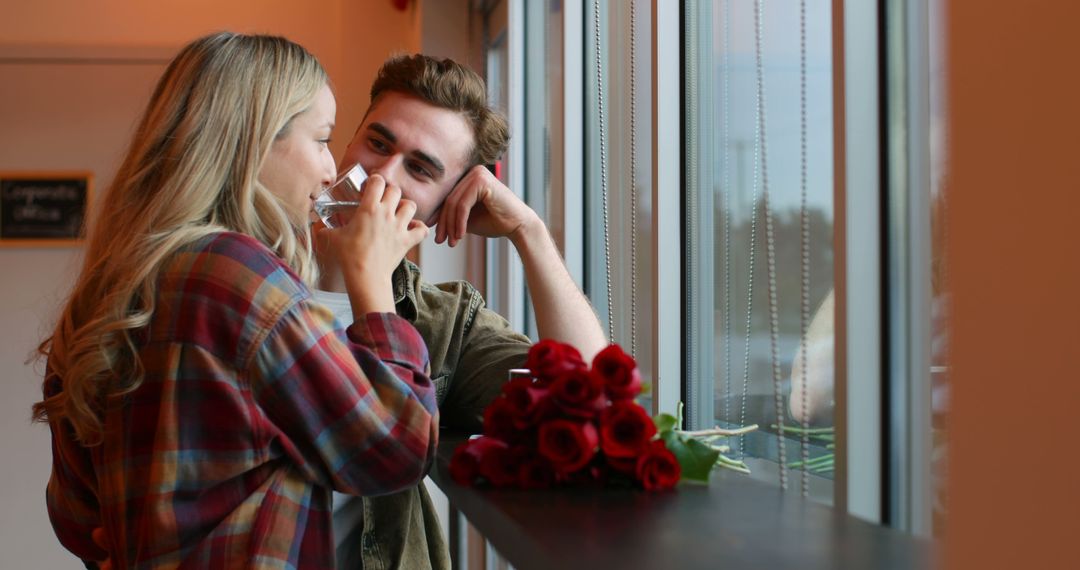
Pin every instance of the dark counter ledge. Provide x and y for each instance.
(734, 522)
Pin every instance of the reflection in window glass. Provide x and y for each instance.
(740, 349)
(626, 103)
(939, 317)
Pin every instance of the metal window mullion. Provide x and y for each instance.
(920, 420)
(699, 241)
(909, 253)
(574, 139)
(504, 264)
(667, 205)
(858, 330)
(534, 118)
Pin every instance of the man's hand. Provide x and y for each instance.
(482, 205)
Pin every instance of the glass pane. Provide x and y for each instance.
(544, 115)
(627, 124)
(747, 357)
(544, 122)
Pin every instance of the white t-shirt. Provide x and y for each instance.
(338, 303)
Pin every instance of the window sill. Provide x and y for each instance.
(735, 521)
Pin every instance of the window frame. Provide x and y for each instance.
(861, 483)
(857, 250)
(908, 480)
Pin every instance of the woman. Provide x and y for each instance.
(202, 406)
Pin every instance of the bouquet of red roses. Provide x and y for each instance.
(568, 423)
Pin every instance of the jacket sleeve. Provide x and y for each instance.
(490, 348)
(354, 408)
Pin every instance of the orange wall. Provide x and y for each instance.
(371, 30)
(350, 37)
(1014, 490)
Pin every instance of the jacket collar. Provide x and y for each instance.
(405, 289)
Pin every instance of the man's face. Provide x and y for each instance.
(421, 148)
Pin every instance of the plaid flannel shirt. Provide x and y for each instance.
(252, 409)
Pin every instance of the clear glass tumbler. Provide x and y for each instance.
(335, 205)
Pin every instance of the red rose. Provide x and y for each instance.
(657, 469)
(465, 463)
(548, 358)
(619, 373)
(499, 465)
(594, 474)
(625, 429)
(535, 472)
(626, 465)
(528, 402)
(499, 418)
(578, 393)
(569, 445)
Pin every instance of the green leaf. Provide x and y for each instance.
(665, 422)
(695, 457)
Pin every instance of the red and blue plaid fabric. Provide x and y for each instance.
(254, 406)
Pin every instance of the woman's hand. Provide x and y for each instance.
(372, 244)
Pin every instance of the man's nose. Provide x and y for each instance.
(389, 167)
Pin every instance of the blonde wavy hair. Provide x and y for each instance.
(191, 170)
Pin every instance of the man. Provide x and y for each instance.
(430, 131)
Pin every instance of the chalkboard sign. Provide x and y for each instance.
(43, 208)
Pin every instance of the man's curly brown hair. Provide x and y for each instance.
(447, 84)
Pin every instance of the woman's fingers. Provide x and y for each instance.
(391, 197)
(417, 231)
(406, 209)
(373, 190)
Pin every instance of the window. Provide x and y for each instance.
(619, 232)
(759, 229)
(746, 185)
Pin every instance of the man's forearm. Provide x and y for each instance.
(563, 312)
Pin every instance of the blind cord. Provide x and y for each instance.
(603, 169)
(633, 179)
(770, 249)
(804, 213)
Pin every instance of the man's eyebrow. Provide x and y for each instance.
(434, 162)
(418, 154)
(385, 132)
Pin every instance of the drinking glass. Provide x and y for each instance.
(335, 205)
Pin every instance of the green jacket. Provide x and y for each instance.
(471, 349)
